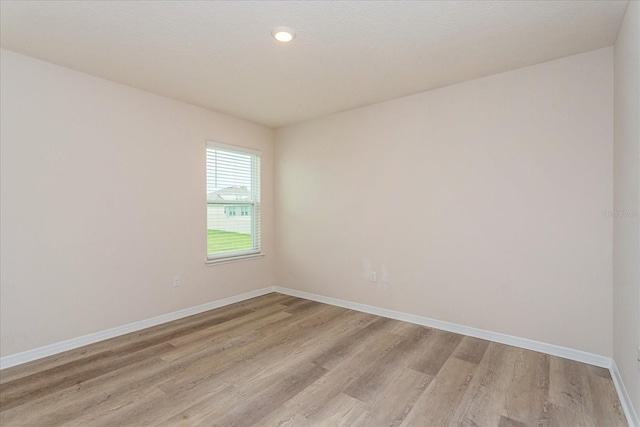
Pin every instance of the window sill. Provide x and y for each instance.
(211, 262)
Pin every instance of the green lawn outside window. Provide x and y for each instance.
(223, 241)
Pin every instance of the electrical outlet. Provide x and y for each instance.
(373, 277)
(176, 281)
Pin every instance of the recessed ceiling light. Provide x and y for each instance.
(283, 34)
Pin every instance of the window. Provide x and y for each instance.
(233, 201)
(236, 210)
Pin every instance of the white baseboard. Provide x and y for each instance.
(625, 400)
(59, 347)
(554, 350)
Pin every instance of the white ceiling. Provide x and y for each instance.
(220, 55)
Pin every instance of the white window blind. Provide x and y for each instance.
(233, 201)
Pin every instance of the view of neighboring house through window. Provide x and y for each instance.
(236, 210)
(233, 201)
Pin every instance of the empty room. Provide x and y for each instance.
(319, 213)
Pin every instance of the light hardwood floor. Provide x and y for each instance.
(279, 360)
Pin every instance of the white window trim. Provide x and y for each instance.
(235, 258)
(237, 149)
(244, 255)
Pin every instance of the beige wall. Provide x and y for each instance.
(626, 231)
(481, 203)
(103, 201)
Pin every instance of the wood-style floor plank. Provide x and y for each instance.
(394, 403)
(488, 388)
(438, 403)
(277, 360)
